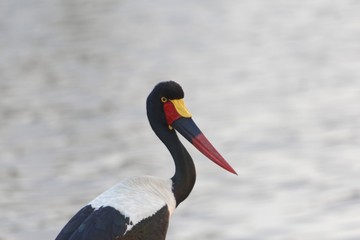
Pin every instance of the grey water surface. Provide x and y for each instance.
(274, 84)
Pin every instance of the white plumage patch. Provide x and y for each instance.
(138, 197)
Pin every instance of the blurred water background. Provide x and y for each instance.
(274, 84)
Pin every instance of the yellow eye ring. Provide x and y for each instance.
(164, 99)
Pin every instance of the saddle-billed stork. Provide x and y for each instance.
(139, 207)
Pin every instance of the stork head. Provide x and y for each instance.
(166, 108)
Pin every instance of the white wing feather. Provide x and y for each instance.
(138, 197)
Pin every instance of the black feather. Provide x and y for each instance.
(105, 223)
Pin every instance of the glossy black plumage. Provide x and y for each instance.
(90, 224)
(108, 223)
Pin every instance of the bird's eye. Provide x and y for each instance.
(164, 99)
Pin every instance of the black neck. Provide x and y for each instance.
(185, 175)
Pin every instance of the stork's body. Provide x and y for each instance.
(139, 207)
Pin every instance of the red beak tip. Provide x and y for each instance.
(233, 171)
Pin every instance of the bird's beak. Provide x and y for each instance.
(179, 118)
